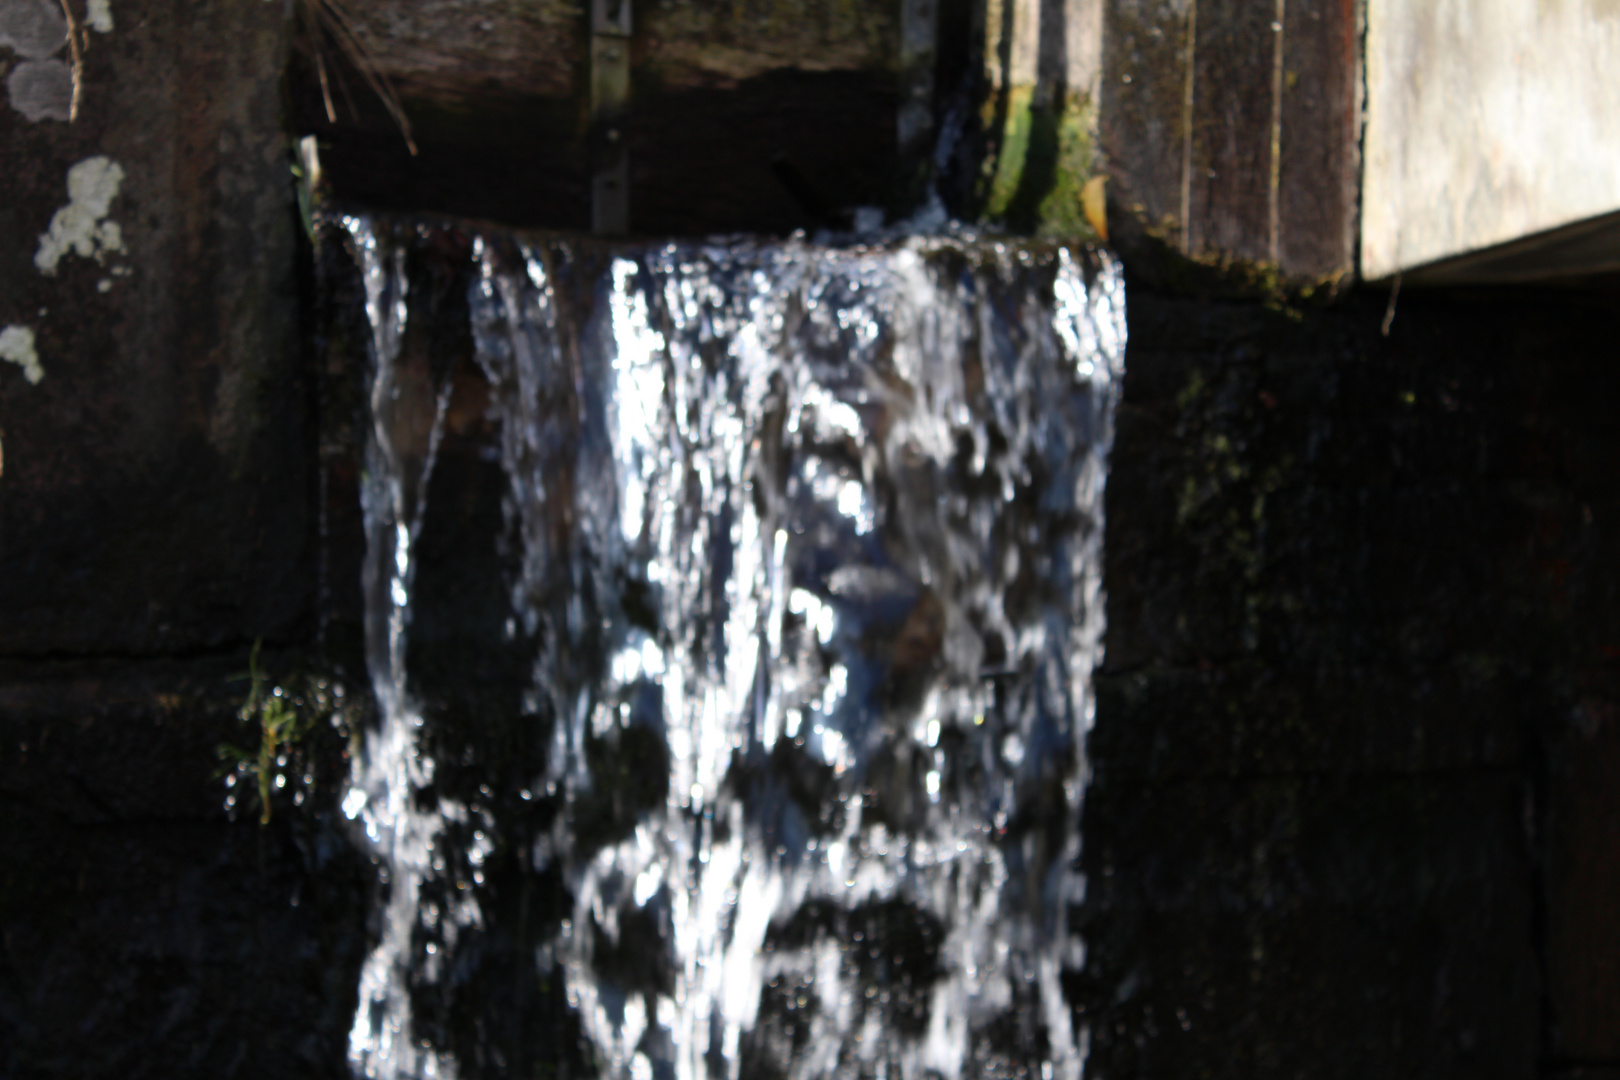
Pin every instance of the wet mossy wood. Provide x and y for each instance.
(1037, 116)
(154, 495)
(1230, 131)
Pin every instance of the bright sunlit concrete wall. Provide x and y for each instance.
(1487, 121)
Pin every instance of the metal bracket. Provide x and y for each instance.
(610, 108)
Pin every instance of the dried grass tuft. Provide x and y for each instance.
(327, 22)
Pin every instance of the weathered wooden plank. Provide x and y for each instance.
(448, 52)
(1319, 174)
(1230, 129)
(1230, 183)
(1144, 118)
(702, 43)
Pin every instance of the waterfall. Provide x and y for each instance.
(809, 569)
(391, 769)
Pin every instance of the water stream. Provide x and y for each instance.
(808, 566)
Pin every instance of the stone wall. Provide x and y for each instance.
(154, 494)
(1345, 808)
(156, 518)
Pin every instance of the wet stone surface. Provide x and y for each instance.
(155, 488)
(143, 931)
(1358, 594)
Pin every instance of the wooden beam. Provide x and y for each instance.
(1146, 99)
(503, 101)
(1319, 173)
(1231, 129)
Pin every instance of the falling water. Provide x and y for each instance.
(390, 770)
(811, 535)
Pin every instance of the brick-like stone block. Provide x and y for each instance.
(144, 933)
(1313, 926)
(155, 495)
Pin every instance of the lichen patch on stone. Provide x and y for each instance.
(82, 226)
(41, 86)
(41, 90)
(35, 29)
(17, 346)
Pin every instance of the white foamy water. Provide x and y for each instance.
(390, 770)
(822, 526)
